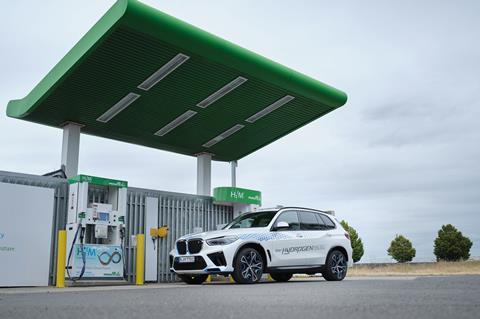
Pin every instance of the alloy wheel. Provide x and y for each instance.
(251, 266)
(338, 265)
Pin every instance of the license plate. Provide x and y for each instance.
(189, 259)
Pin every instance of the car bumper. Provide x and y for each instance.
(210, 260)
(350, 256)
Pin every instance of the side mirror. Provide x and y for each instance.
(282, 225)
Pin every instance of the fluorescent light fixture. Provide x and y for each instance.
(176, 122)
(272, 107)
(165, 70)
(118, 107)
(222, 92)
(224, 135)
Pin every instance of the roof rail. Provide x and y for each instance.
(261, 209)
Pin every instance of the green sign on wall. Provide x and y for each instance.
(237, 195)
(98, 181)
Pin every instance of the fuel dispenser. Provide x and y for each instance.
(96, 230)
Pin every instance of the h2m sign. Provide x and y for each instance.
(237, 195)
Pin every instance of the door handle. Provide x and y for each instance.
(299, 236)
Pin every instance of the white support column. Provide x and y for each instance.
(234, 165)
(204, 174)
(71, 148)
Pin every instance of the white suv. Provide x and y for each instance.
(281, 242)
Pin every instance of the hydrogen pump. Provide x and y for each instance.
(96, 228)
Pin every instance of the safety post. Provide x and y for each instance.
(140, 267)
(61, 258)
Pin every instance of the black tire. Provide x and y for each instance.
(248, 266)
(193, 279)
(281, 277)
(335, 268)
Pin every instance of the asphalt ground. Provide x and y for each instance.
(392, 297)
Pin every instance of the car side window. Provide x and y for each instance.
(291, 217)
(321, 222)
(308, 221)
(328, 222)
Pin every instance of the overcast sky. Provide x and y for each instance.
(401, 157)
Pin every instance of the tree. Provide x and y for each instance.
(401, 249)
(357, 244)
(451, 245)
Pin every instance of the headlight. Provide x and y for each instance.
(221, 240)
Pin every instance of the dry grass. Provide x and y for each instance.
(416, 269)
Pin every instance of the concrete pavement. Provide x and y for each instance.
(396, 297)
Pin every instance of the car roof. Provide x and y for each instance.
(279, 208)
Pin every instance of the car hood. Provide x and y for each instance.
(224, 232)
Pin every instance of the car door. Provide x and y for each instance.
(330, 238)
(286, 244)
(315, 237)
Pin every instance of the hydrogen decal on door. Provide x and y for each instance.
(299, 249)
(101, 260)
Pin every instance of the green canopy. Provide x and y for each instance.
(144, 77)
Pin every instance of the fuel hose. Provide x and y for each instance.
(82, 233)
(122, 247)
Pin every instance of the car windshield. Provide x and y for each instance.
(250, 220)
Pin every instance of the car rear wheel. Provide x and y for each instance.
(336, 266)
(248, 268)
(281, 277)
(193, 280)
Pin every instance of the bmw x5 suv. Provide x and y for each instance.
(281, 242)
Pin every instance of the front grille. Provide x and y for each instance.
(194, 245)
(182, 247)
(218, 259)
(198, 264)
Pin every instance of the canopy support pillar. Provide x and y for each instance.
(204, 174)
(70, 148)
(233, 165)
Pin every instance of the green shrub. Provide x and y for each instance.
(357, 244)
(401, 249)
(451, 245)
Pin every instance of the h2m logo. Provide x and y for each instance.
(237, 194)
(89, 251)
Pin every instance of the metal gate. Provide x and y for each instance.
(182, 213)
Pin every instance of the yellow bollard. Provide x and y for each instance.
(61, 258)
(269, 277)
(209, 279)
(140, 267)
(232, 281)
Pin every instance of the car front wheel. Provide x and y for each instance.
(248, 266)
(336, 266)
(193, 280)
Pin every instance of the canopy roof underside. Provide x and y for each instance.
(144, 77)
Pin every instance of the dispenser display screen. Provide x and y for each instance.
(104, 217)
